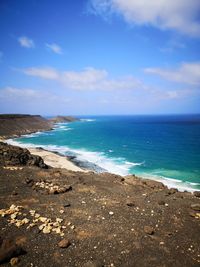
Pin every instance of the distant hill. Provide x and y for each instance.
(18, 124)
(63, 119)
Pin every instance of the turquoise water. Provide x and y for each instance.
(165, 148)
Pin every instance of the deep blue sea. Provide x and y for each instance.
(165, 148)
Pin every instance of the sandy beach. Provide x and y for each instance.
(55, 160)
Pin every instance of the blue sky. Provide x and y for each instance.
(100, 57)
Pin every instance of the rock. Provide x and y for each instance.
(149, 230)
(153, 184)
(60, 190)
(192, 214)
(130, 204)
(195, 207)
(65, 243)
(9, 249)
(196, 193)
(14, 261)
(161, 202)
(65, 189)
(14, 156)
(30, 182)
(173, 191)
(66, 205)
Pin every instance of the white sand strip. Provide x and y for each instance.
(54, 160)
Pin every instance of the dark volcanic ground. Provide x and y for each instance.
(105, 220)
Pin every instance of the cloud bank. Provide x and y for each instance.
(186, 73)
(179, 15)
(87, 79)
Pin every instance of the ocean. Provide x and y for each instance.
(163, 148)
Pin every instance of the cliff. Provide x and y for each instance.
(12, 125)
(59, 119)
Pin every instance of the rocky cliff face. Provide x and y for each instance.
(12, 125)
(17, 156)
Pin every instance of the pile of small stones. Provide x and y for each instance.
(52, 188)
(19, 218)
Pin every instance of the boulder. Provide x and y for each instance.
(65, 243)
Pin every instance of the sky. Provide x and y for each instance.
(92, 57)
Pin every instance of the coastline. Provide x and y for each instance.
(74, 161)
(50, 158)
(56, 159)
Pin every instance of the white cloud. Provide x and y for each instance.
(180, 15)
(186, 73)
(88, 79)
(26, 42)
(45, 73)
(12, 92)
(25, 100)
(54, 48)
(23, 95)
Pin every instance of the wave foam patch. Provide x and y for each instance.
(173, 183)
(108, 164)
(88, 120)
(132, 164)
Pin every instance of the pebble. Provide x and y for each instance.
(111, 212)
(195, 207)
(14, 261)
(161, 202)
(67, 205)
(130, 204)
(65, 243)
(149, 230)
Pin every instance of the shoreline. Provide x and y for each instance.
(55, 159)
(50, 158)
